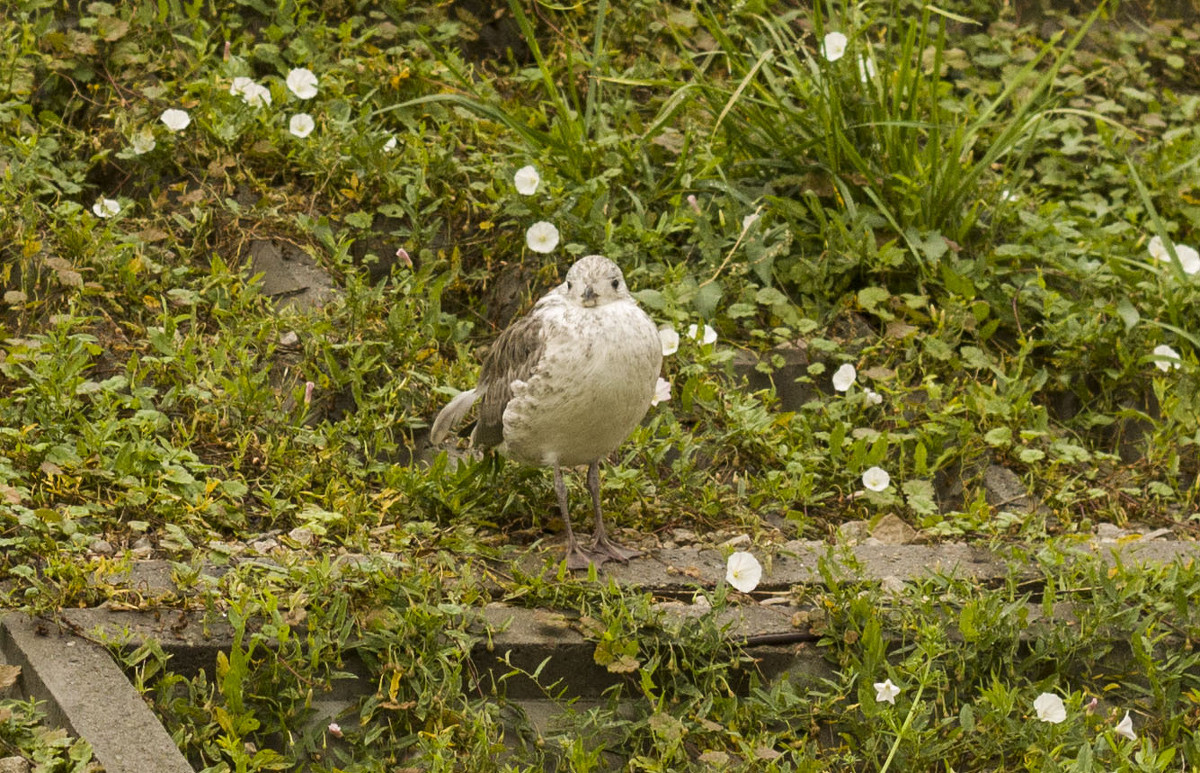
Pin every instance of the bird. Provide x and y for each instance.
(566, 384)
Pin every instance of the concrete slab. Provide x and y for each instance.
(87, 694)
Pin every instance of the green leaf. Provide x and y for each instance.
(707, 298)
(870, 298)
(1000, 436)
(1128, 314)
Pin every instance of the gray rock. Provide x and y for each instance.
(892, 530)
(14, 765)
(1004, 490)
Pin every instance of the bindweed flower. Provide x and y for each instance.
(844, 377)
(404, 258)
(1165, 365)
(866, 68)
(335, 730)
(669, 339)
(390, 145)
(302, 82)
(886, 691)
(662, 391)
(527, 179)
(743, 571)
(542, 237)
(834, 46)
(1189, 258)
(142, 142)
(873, 397)
(252, 93)
(1050, 708)
(176, 120)
(706, 337)
(301, 125)
(694, 203)
(749, 220)
(876, 479)
(309, 386)
(1124, 728)
(106, 208)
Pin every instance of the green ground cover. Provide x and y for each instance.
(990, 215)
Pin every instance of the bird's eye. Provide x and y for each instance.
(616, 283)
(568, 285)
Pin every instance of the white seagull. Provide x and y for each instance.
(564, 385)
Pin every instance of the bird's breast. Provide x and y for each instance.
(591, 388)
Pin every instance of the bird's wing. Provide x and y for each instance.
(514, 357)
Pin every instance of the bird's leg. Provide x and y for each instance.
(576, 558)
(602, 547)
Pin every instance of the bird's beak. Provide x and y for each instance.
(589, 296)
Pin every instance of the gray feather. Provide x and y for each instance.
(451, 415)
(514, 357)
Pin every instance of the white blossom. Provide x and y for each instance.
(390, 145)
(669, 339)
(106, 208)
(1189, 258)
(542, 237)
(876, 479)
(252, 93)
(176, 120)
(662, 391)
(302, 82)
(706, 337)
(526, 180)
(1050, 708)
(873, 397)
(844, 377)
(743, 571)
(834, 46)
(1164, 351)
(886, 691)
(301, 125)
(1124, 728)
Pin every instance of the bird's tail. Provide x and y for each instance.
(451, 415)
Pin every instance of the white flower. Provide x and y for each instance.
(142, 142)
(662, 391)
(542, 236)
(1050, 708)
(1007, 195)
(876, 479)
(834, 46)
(253, 94)
(526, 179)
(390, 145)
(748, 221)
(669, 339)
(175, 119)
(301, 125)
(873, 397)
(335, 730)
(743, 571)
(1189, 258)
(106, 207)
(1162, 350)
(1125, 728)
(886, 691)
(302, 82)
(709, 336)
(844, 377)
(866, 68)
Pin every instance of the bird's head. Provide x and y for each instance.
(595, 281)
